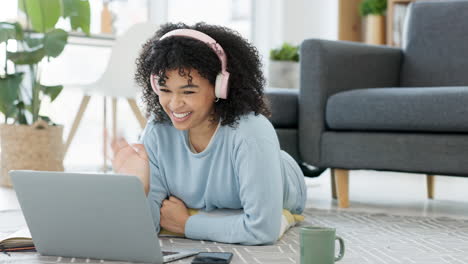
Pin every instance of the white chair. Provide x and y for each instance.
(117, 81)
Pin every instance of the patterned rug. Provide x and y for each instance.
(369, 238)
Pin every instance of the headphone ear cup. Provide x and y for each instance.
(225, 85)
(154, 83)
(221, 85)
(218, 85)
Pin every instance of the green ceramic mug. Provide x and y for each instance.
(318, 245)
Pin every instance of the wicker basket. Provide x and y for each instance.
(35, 147)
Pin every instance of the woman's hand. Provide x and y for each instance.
(131, 160)
(174, 215)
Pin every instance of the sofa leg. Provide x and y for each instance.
(430, 186)
(342, 187)
(333, 184)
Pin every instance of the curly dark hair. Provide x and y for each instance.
(184, 54)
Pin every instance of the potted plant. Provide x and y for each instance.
(284, 67)
(374, 13)
(28, 139)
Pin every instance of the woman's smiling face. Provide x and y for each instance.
(189, 104)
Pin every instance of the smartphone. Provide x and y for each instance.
(213, 258)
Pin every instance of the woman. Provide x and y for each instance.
(208, 144)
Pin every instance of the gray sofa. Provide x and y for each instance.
(382, 108)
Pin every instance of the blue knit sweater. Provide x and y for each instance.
(241, 168)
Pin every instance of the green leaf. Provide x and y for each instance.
(79, 13)
(35, 41)
(27, 57)
(19, 31)
(10, 31)
(69, 8)
(54, 42)
(51, 91)
(9, 90)
(372, 7)
(21, 5)
(287, 52)
(7, 31)
(43, 14)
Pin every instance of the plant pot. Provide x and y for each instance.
(375, 29)
(35, 147)
(283, 74)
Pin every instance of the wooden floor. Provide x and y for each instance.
(395, 193)
(390, 192)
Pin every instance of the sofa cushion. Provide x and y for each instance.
(283, 103)
(435, 44)
(428, 109)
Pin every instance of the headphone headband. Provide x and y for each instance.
(195, 34)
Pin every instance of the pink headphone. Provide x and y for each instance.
(221, 84)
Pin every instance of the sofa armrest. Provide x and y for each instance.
(329, 67)
(283, 106)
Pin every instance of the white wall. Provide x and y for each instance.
(279, 21)
(320, 19)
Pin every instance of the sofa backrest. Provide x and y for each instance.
(435, 44)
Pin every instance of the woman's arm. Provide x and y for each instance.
(261, 192)
(157, 186)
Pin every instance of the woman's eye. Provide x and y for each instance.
(188, 92)
(165, 90)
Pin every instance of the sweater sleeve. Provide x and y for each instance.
(158, 190)
(257, 163)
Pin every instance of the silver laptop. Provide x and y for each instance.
(98, 216)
